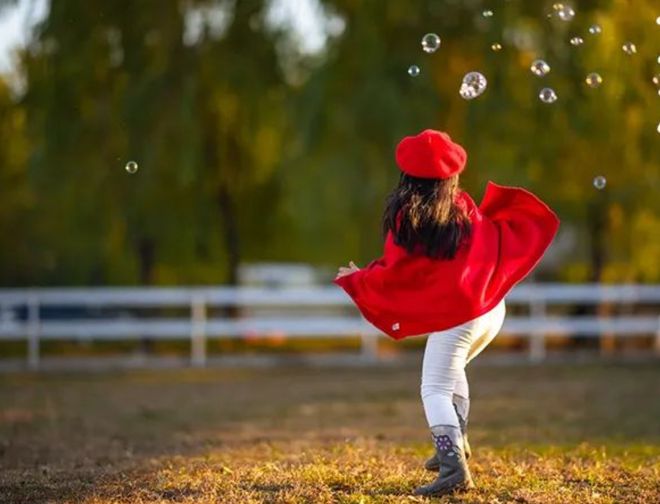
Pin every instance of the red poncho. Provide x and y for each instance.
(406, 294)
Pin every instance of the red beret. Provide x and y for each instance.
(431, 154)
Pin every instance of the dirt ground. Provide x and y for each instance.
(587, 433)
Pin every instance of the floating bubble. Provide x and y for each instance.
(629, 48)
(131, 167)
(600, 182)
(565, 13)
(487, 13)
(557, 7)
(595, 29)
(496, 47)
(576, 41)
(430, 42)
(548, 95)
(473, 85)
(593, 80)
(657, 20)
(413, 70)
(658, 128)
(540, 68)
(656, 79)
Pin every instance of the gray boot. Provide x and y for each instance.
(453, 474)
(462, 408)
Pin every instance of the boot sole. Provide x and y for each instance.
(458, 488)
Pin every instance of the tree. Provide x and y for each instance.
(202, 119)
(250, 150)
(16, 257)
(361, 101)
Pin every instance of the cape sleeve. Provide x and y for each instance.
(360, 286)
(526, 227)
(353, 284)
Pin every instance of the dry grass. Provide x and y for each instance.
(549, 434)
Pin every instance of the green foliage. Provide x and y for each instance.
(250, 150)
(16, 196)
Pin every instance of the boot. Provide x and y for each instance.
(453, 474)
(461, 406)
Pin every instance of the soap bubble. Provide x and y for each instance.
(600, 182)
(131, 167)
(656, 79)
(474, 84)
(657, 20)
(565, 12)
(413, 70)
(430, 42)
(548, 95)
(576, 41)
(595, 29)
(496, 47)
(629, 48)
(487, 13)
(540, 68)
(593, 80)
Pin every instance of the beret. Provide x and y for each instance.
(430, 154)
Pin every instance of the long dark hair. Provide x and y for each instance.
(430, 219)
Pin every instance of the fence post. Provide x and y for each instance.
(198, 331)
(607, 340)
(537, 310)
(369, 343)
(33, 329)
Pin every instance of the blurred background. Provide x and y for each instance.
(179, 181)
(250, 143)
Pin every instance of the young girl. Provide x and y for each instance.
(446, 268)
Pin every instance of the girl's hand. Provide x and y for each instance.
(343, 271)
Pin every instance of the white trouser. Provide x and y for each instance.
(445, 357)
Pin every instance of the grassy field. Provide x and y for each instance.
(548, 434)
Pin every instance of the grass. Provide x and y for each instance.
(546, 434)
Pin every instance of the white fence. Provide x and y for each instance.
(322, 312)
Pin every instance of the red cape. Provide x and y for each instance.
(406, 294)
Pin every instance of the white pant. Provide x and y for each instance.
(445, 357)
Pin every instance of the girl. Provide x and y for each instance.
(446, 268)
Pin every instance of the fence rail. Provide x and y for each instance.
(27, 315)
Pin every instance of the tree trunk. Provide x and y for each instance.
(598, 256)
(597, 231)
(223, 197)
(230, 231)
(146, 250)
